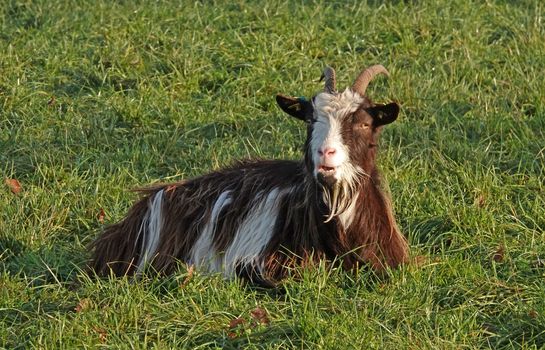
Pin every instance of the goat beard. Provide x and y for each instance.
(341, 195)
(338, 198)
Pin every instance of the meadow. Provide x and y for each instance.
(97, 98)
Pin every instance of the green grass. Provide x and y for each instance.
(99, 98)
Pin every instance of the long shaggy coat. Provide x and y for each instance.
(258, 219)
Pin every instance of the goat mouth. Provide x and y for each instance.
(326, 174)
(327, 170)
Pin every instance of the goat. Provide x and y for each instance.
(259, 218)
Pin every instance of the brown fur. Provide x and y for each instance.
(299, 231)
(302, 232)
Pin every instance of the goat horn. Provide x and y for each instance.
(362, 81)
(330, 81)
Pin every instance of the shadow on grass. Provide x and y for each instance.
(46, 265)
(23, 15)
(76, 82)
(265, 336)
(434, 232)
(10, 248)
(523, 330)
(39, 283)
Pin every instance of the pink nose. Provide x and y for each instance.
(328, 152)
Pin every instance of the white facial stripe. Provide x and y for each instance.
(327, 135)
(203, 255)
(330, 112)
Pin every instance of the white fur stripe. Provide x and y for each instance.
(253, 235)
(202, 254)
(346, 217)
(151, 234)
(330, 112)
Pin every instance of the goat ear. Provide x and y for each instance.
(384, 114)
(296, 107)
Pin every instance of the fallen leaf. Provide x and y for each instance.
(236, 327)
(102, 334)
(83, 305)
(481, 201)
(231, 335)
(499, 254)
(533, 314)
(101, 215)
(51, 101)
(13, 185)
(234, 323)
(187, 278)
(260, 316)
(420, 260)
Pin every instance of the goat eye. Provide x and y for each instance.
(363, 126)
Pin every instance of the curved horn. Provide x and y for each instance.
(362, 81)
(330, 80)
